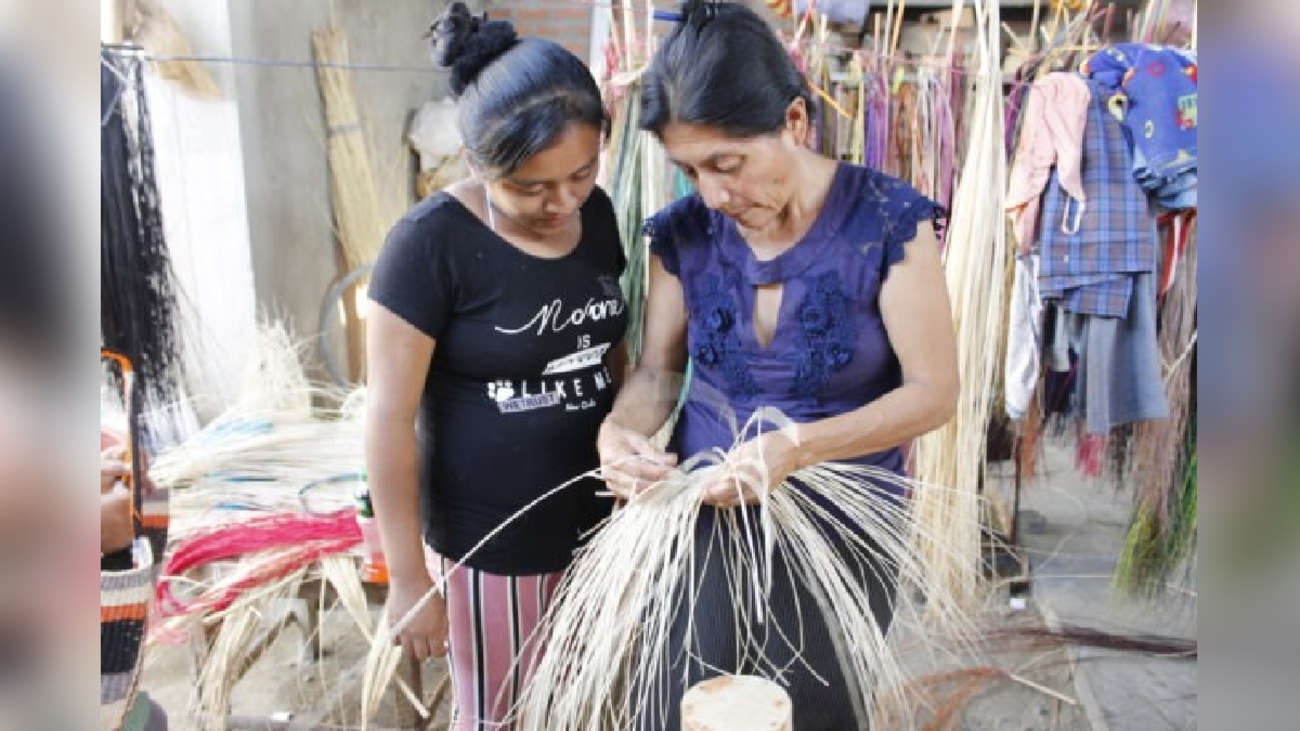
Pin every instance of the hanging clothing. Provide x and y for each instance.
(1173, 194)
(1087, 267)
(1051, 133)
(1153, 90)
(1120, 372)
(1052, 126)
(1024, 338)
(1055, 324)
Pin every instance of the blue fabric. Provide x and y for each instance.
(1154, 89)
(1115, 235)
(829, 353)
(1120, 380)
(1174, 194)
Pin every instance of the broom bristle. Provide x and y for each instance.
(155, 29)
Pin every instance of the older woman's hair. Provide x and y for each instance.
(515, 97)
(723, 67)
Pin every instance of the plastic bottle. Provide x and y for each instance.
(374, 569)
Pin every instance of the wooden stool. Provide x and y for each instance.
(736, 703)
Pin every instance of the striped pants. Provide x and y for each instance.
(490, 623)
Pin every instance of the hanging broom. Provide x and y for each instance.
(358, 215)
(1163, 526)
(154, 29)
(360, 220)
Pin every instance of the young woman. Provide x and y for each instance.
(493, 351)
(790, 280)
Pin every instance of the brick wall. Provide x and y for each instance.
(566, 23)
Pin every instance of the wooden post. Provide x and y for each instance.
(736, 703)
(112, 21)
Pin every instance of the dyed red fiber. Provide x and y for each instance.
(304, 538)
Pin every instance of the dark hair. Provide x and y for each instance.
(722, 66)
(514, 96)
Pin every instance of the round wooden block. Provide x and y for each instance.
(736, 703)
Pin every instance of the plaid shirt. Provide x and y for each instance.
(1089, 270)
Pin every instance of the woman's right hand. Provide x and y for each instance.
(425, 636)
(629, 463)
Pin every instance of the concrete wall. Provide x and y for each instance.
(247, 178)
(294, 252)
(201, 187)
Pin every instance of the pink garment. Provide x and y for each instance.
(1051, 133)
(492, 646)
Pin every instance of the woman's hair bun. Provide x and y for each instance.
(465, 43)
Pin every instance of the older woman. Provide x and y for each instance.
(790, 280)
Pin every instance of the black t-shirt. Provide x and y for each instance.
(518, 385)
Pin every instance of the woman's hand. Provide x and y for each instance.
(114, 467)
(116, 528)
(754, 468)
(425, 636)
(628, 461)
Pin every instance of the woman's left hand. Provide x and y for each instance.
(754, 468)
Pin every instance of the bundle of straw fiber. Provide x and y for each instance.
(638, 185)
(358, 214)
(241, 635)
(272, 432)
(154, 29)
(975, 266)
(607, 635)
(281, 543)
(268, 451)
(625, 189)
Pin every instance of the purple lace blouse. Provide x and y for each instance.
(829, 353)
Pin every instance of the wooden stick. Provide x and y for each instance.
(629, 40)
(1014, 38)
(649, 30)
(1042, 689)
(898, 27)
(111, 26)
(1159, 18)
(889, 20)
(1087, 28)
(958, 7)
(829, 100)
(1033, 25)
